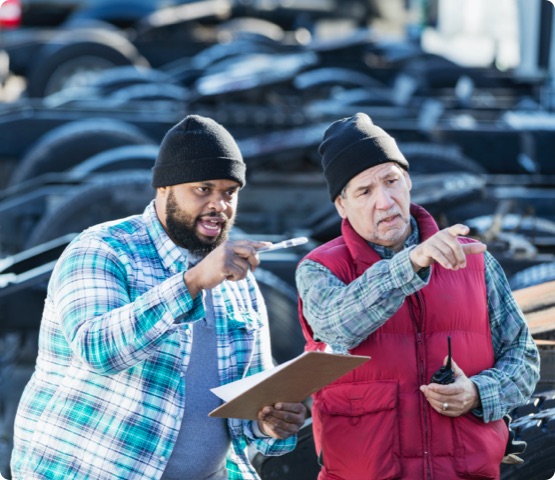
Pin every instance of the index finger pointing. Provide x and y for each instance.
(474, 248)
(247, 248)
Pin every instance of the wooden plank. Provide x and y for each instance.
(542, 321)
(538, 305)
(536, 297)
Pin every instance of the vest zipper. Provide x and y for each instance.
(418, 322)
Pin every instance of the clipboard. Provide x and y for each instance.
(292, 381)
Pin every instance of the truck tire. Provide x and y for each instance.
(432, 158)
(333, 77)
(241, 26)
(150, 92)
(107, 197)
(281, 302)
(538, 430)
(75, 57)
(128, 157)
(71, 143)
(117, 78)
(539, 402)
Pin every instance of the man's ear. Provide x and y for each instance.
(340, 207)
(162, 192)
(160, 203)
(408, 179)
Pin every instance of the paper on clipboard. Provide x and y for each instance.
(292, 381)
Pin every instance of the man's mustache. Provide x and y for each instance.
(393, 213)
(221, 216)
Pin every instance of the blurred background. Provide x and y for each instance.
(89, 87)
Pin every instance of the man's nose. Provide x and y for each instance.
(218, 203)
(383, 199)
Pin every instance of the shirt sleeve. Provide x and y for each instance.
(108, 330)
(341, 315)
(513, 378)
(266, 445)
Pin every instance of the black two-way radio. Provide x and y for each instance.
(445, 374)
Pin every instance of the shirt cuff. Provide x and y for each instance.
(403, 275)
(256, 432)
(490, 408)
(184, 308)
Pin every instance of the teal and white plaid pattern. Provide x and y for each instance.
(342, 316)
(107, 396)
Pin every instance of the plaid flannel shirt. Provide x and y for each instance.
(343, 316)
(107, 396)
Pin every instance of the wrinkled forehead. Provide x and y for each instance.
(377, 173)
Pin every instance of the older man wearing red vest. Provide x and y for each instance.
(395, 287)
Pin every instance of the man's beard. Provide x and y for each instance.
(181, 229)
(394, 235)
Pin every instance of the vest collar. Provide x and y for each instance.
(364, 255)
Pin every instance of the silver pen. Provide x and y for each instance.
(292, 242)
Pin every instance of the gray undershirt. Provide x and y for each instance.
(203, 441)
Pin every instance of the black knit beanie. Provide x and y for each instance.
(198, 149)
(352, 145)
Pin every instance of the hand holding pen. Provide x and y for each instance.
(292, 242)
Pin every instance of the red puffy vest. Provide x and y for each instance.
(374, 423)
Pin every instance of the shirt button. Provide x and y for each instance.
(188, 332)
(162, 459)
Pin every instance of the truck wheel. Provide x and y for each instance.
(539, 402)
(128, 157)
(247, 26)
(116, 78)
(538, 430)
(67, 145)
(106, 197)
(333, 77)
(150, 92)
(75, 57)
(281, 302)
(432, 158)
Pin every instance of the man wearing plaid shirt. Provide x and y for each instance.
(142, 317)
(396, 288)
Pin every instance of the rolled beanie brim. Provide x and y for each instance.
(199, 170)
(369, 152)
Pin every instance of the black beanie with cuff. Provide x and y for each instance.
(195, 150)
(352, 145)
